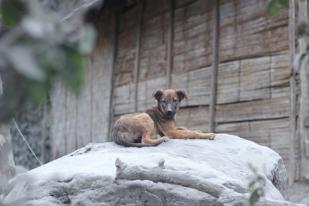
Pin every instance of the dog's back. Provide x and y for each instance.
(129, 130)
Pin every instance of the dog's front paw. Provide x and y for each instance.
(165, 139)
(211, 136)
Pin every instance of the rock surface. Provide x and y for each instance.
(178, 172)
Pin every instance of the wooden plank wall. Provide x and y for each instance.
(253, 71)
(78, 120)
(303, 101)
(253, 80)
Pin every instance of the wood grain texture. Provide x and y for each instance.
(137, 60)
(78, 120)
(58, 114)
(193, 36)
(253, 80)
(304, 96)
(170, 43)
(253, 110)
(214, 65)
(247, 30)
(271, 133)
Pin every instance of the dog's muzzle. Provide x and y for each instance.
(170, 114)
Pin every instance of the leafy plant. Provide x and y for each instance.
(256, 187)
(275, 6)
(36, 48)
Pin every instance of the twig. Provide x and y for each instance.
(25, 140)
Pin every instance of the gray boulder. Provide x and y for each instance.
(175, 173)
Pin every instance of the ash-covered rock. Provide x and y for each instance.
(178, 172)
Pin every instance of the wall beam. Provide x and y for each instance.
(137, 53)
(170, 44)
(215, 60)
(292, 167)
(303, 42)
(113, 68)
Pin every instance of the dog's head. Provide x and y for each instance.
(169, 101)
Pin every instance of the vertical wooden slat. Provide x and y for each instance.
(214, 72)
(170, 59)
(66, 136)
(292, 161)
(137, 54)
(303, 42)
(112, 82)
(76, 123)
(7, 164)
(71, 118)
(91, 99)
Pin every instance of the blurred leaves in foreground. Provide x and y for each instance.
(256, 187)
(275, 6)
(36, 47)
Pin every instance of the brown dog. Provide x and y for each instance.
(156, 125)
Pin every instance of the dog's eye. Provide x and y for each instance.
(163, 100)
(174, 100)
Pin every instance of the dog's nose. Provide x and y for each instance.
(169, 113)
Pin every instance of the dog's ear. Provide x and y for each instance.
(158, 94)
(181, 95)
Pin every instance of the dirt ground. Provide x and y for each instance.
(299, 193)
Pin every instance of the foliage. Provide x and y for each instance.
(275, 6)
(256, 187)
(36, 48)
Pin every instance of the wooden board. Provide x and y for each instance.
(247, 30)
(70, 132)
(280, 75)
(84, 114)
(58, 115)
(253, 110)
(156, 8)
(241, 80)
(146, 91)
(193, 118)
(102, 68)
(126, 47)
(271, 133)
(193, 28)
(255, 79)
(228, 88)
(253, 75)
(154, 46)
(196, 84)
(124, 99)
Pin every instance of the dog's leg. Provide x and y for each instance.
(188, 134)
(146, 139)
(183, 128)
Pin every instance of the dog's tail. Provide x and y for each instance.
(124, 139)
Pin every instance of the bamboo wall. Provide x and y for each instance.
(78, 120)
(252, 95)
(253, 72)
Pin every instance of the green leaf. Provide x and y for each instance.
(254, 198)
(284, 3)
(72, 72)
(23, 59)
(37, 92)
(12, 12)
(273, 7)
(252, 185)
